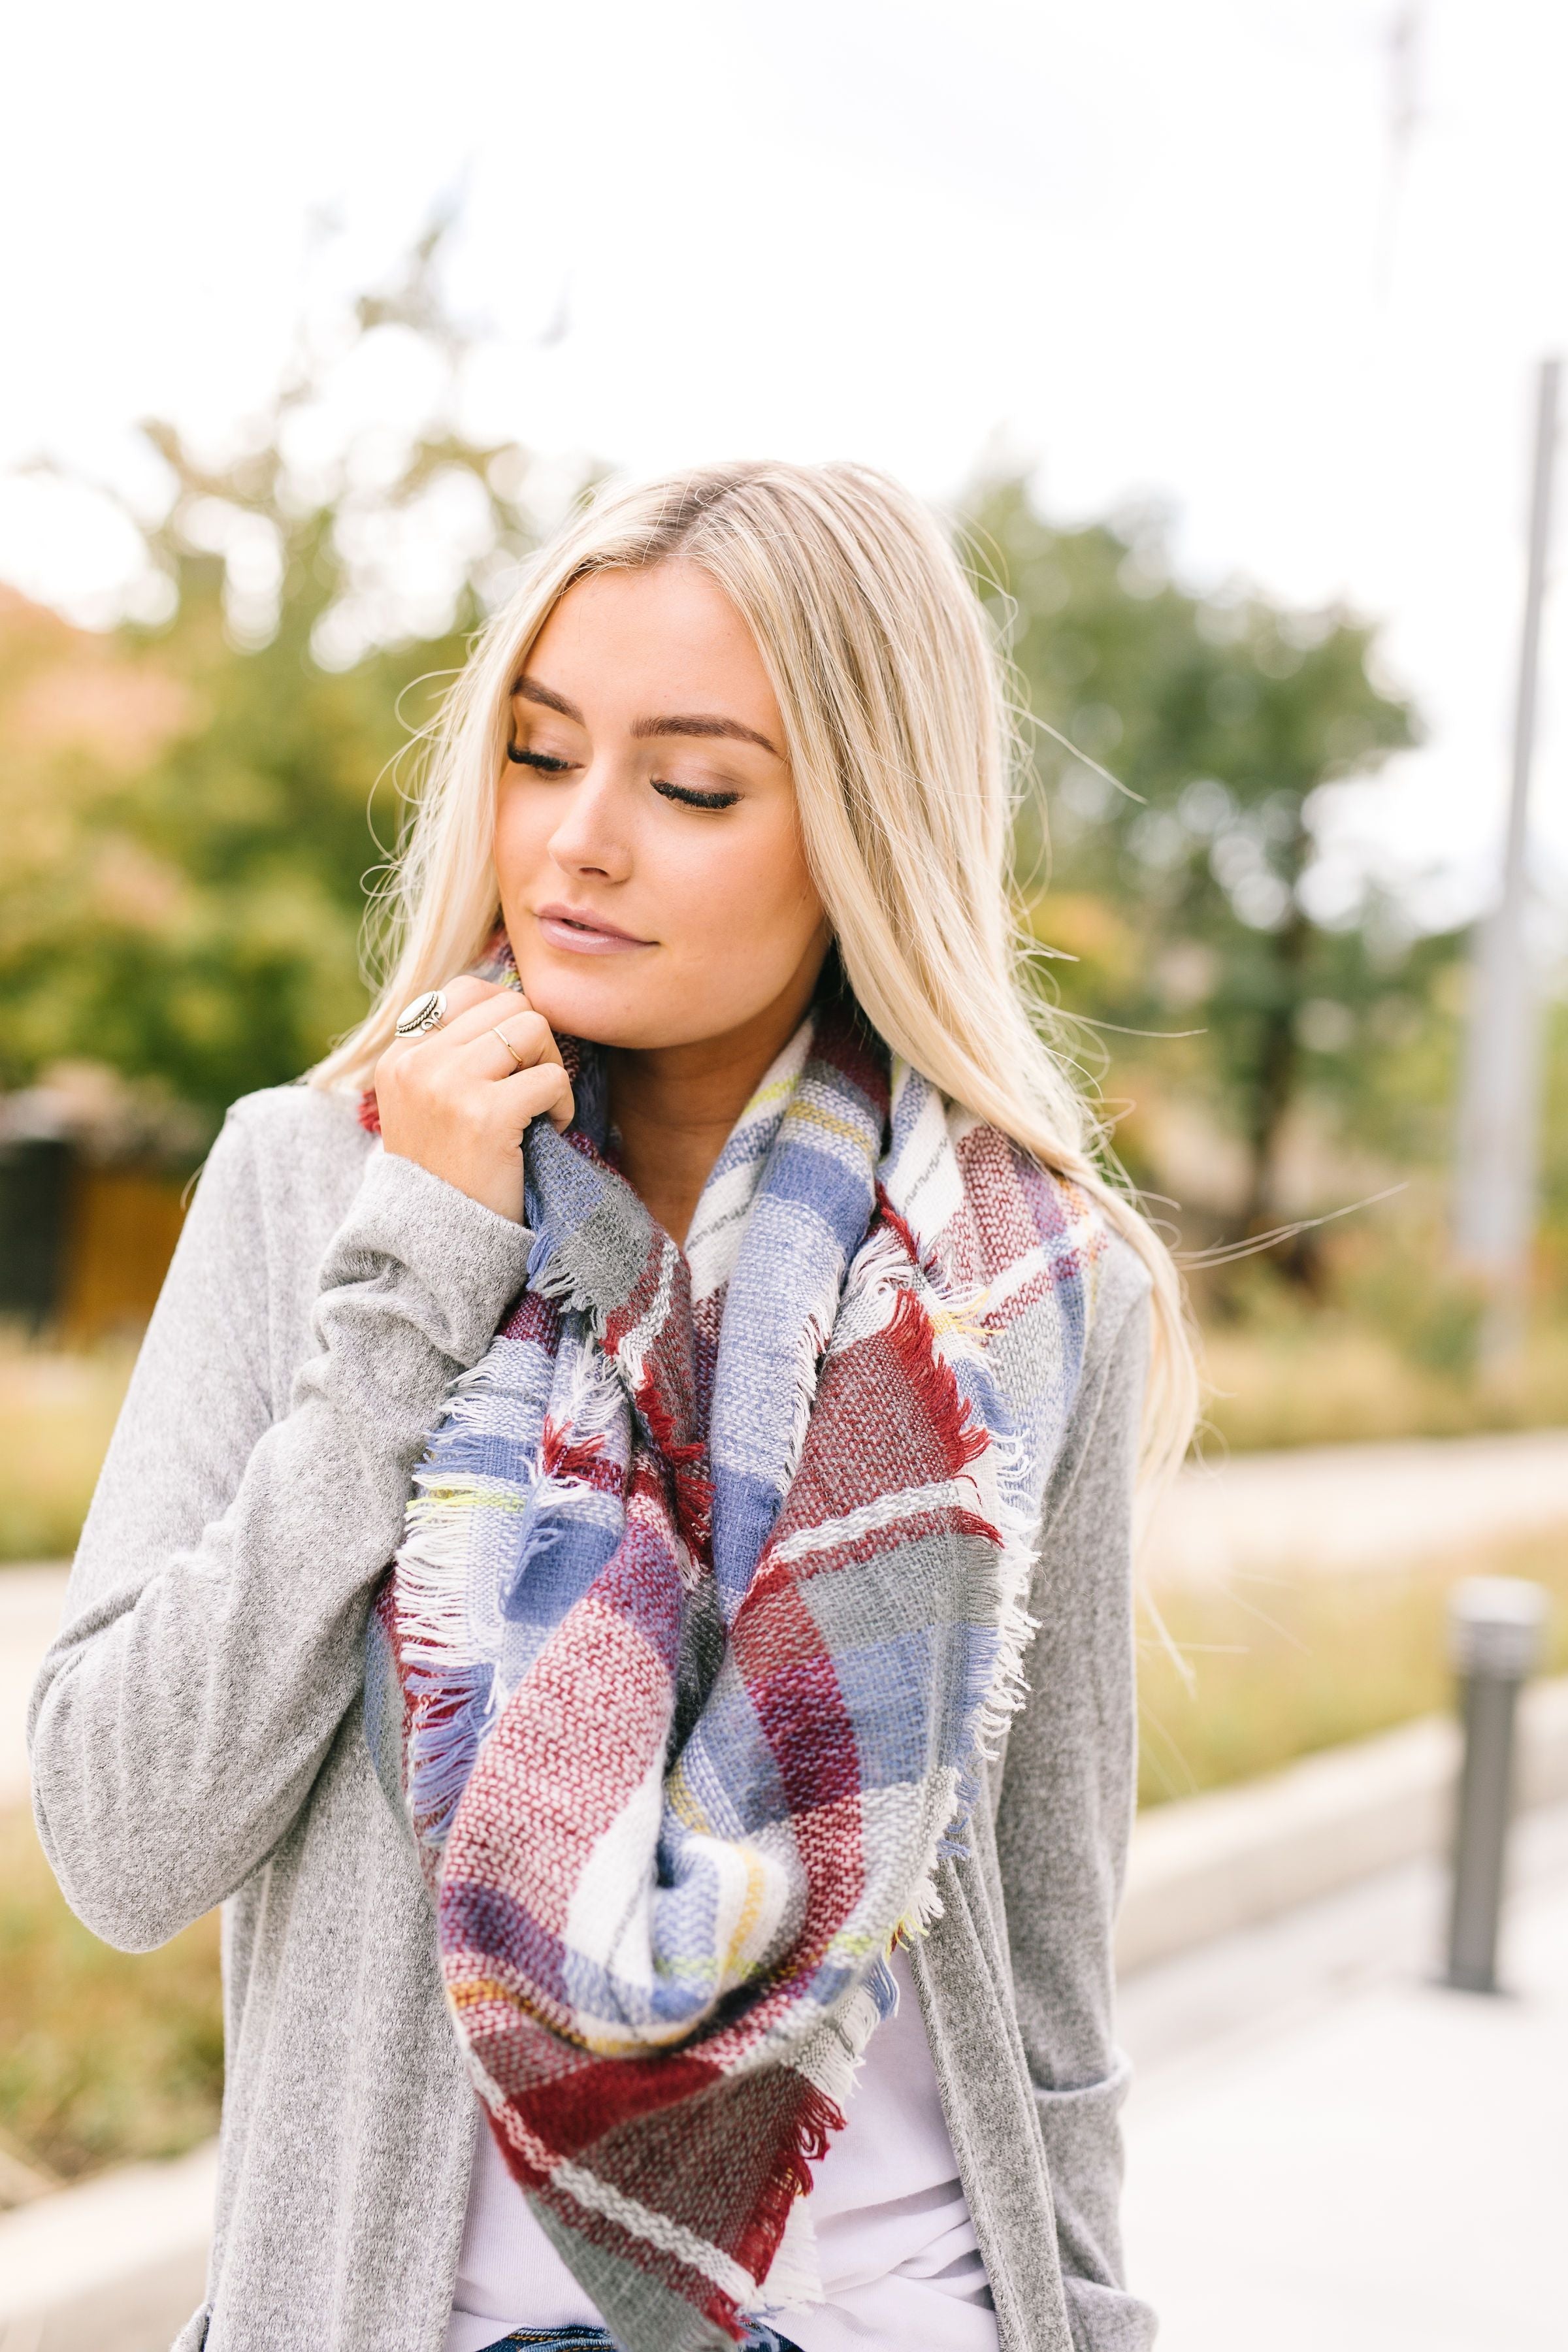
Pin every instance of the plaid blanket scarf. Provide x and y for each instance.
(711, 1598)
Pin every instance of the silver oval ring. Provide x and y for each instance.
(427, 1011)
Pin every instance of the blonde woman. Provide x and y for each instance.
(671, 1904)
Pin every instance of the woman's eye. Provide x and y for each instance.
(521, 757)
(688, 799)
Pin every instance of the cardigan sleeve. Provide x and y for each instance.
(1065, 1812)
(216, 1615)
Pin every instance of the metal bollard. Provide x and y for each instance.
(1496, 1629)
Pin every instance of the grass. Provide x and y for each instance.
(56, 1409)
(1275, 1670)
(1283, 1370)
(1318, 1379)
(1333, 1380)
(106, 2056)
(1386, 1342)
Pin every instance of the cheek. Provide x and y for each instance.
(522, 831)
(750, 894)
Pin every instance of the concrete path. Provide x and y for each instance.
(117, 2265)
(1212, 1865)
(1327, 2149)
(1324, 2149)
(1357, 1507)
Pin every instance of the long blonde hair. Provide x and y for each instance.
(898, 730)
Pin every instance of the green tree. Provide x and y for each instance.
(1222, 721)
(201, 925)
(189, 905)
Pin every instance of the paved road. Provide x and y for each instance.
(1327, 2149)
(1324, 2149)
(1268, 1515)
(1357, 1507)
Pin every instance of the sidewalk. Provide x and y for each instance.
(1327, 2149)
(1332, 1507)
(117, 2265)
(1327, 2153)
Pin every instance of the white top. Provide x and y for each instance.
(896, 2248)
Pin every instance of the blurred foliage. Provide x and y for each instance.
(107, 2056)
(1240, 1678)
(1183, 864)
(57, 1412)
(193, 806)
(189, 804)
(1357, 1360)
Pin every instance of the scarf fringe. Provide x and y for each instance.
(794, 2282)
(1016, 1628)
(447, 1658)
(787, 2189)
(431, 1567)
(794, 2277)
(811, 1347)
(595, 1406)
(896, 1266)
(565, 1419)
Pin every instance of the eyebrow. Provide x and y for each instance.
(694, 722)
(701, 723)
(530, 690)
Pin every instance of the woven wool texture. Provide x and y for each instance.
(710, 1599)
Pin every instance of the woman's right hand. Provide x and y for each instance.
(457, 1101)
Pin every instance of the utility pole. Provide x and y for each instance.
(1494, 1219)
(1404, 37)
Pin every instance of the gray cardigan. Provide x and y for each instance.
(196, 1739)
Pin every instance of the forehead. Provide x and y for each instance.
(658, 639)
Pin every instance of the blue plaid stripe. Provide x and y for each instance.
(870, 1669)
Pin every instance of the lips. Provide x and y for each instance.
(580, 931)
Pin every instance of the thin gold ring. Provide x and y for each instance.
(511, 1048)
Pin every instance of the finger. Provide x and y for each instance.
(466, 995)
(545, 1090)
(472, 1005)
(518, 1042)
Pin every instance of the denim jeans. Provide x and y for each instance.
(594, 2339)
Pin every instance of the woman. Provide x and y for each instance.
(771, 1417)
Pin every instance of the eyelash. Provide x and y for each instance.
(546, 766)
(540, 760)
(695, 800)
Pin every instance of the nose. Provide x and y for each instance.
(590, 839)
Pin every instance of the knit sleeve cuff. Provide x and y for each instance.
(452, 1262)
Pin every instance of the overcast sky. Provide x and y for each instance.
(1176, 251)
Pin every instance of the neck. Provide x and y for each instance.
(675, 1105)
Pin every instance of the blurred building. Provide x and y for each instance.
(91, 1177)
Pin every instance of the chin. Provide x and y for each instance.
(580, 1005)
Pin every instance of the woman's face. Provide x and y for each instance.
(652, 874)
